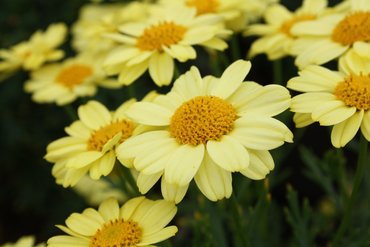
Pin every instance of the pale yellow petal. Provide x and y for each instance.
(173, 192)
(183, 164)
(146, 182)
(149, 113)
(159, 236)
(365, 125)
(128, 74)
(302, 119)
(261, 163)
(213, 181)
(67, 241)
(83, 159)
(308, 102)
(94, 115)
(343, 132)
(161, 67)
(228, 153)
(181, 52)
(231, 78)
(109, 209)
(82, 224)
(130, 207)
(332, 112)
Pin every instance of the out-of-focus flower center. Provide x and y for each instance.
(117, 233)
(203, 6)
(355, 91)
(163, 34)
(201, 119)
(287, 25)
(101, 136)
(354, 27)
(74, 75)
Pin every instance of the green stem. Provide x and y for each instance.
(277, 67)
(239, 229)
(360, 170)
(235, 48)
(126, 177)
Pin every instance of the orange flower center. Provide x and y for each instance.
(163, 34)
(355, 91)
(73, 75)
(201, 119)
(101, 136)
(117, 233)
(354, 27)
(287, 25)
(203, 6)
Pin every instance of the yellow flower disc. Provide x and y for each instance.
(355, 91)
(354, 27)
(201, 119)
(117, 233)
(287, 25)
(163, 34)
(73, 75)
(204, 6)
(98, 138)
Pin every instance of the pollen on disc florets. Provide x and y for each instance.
(354, 91)
(73, 75)
(204, 6)
(354, 27)
(117, 233)
(201, 119)
(163, 34)
(101, 136)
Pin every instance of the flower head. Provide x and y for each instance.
(329, 37)
(25, 241)
(91, 143)
(169, 34)
(335, 98)
(208, 128)
(277, 38)
(32, 54)
(139, 222)
(62, 83)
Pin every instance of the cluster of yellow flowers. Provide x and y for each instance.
(205, 127)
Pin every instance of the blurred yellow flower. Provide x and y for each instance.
(332, 98)
(96, 20)
(91, 143)
(63, 82)
(25, 241)
(277, 38)
(169, 33)
(330, 36)
(209, 127)
(139, 222)
(32, 54)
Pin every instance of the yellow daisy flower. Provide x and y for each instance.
(277, 38)
(63, 82)
(170, 34)
(91, 143)
(234, 12)
(32, 54)
(96, 191)
(96, 20)
(25, 241)
(333, 98)
(210, 127)
(139, 222)
(330, 36)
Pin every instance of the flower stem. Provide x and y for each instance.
(360, 170)
(277, 67)
(239, 229)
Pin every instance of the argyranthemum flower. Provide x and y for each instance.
(329, 37)
(25, 241)
(64, 82)
(234, 12)
(276, 33)
(95, 20)
(96, 191)
(91, 143)
(32, 54)
(139, 222)
(169, 34)
(210, 127)
(332, 98)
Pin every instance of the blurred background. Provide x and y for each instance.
(32, 204)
